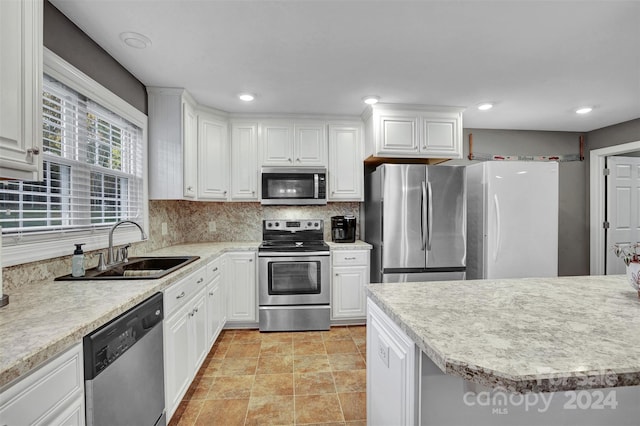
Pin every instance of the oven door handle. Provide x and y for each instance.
(293, 254)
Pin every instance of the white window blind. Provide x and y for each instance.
(93, 170)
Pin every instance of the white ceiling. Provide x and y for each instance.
(537, 60)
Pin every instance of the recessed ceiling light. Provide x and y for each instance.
(371, 100)
(247, 97)
(584, 110)
(485, 106)
(135, 40)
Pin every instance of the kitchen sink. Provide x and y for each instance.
(137, 268)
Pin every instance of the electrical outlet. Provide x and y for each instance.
(212, 226)
(165, 228)
(383, 352)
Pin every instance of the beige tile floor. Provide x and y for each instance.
(301, 378)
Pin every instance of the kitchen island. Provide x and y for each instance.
(518, 351)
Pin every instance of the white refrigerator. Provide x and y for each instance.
(512, 219)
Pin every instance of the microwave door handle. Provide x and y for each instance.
(316, 186)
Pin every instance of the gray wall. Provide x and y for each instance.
(629, 131)
(573, 235)
(65, 39)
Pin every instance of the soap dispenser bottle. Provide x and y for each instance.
(77, 262)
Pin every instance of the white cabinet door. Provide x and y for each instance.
(310, 144)
(277, 144)
(244, 161)
(399, 134)
(441, 138)
(391, 372)
(177, 368)
(190, 147)
(347, 292)
(198, 329)
(21, 89)
(346, 167)
(52, 394)
(216, 308)
(240, 273)
(213, 158)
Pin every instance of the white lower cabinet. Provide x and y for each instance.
(216, 300)
(240, 274)
(185, 336)
(349, 276)
(391, 372)
(52, 394)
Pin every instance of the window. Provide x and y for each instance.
(94, 172)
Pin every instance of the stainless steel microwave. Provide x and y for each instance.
(294, 186)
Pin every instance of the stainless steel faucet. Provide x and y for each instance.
(110, 253)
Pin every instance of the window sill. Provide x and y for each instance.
(15, 252)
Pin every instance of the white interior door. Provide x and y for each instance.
(623, 207)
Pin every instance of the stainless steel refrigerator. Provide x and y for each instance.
(415, 219)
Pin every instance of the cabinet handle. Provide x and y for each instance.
(298, 160)
(224, 193)
(189, 188)
(250, 260)
(215, 269)
(200, 280)
(195, 310)
(180, 296)
(210, 293)
(33, 151)
(289, 160)
(349, 258)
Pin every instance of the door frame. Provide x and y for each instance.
(597, 202)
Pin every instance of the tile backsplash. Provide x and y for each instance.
(189, 221)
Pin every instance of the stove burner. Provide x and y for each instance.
(293, 235)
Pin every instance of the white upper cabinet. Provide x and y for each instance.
(310, 144)
(413, 131)
(190, 149)
(293, 143)
(346, 168)
(213, 157)
(21, 89)
(399, 133)
(173, 144)
(244, 161)
(276, 144)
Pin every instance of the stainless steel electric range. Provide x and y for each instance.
(293, 276)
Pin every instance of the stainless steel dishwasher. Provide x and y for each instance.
(123, 367)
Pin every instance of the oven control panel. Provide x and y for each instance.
(293, 225)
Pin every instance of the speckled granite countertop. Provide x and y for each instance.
(545, 334)
(46, 318)
(357, 245)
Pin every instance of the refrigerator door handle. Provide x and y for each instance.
(498, 228)
(430, 215)
(424, 217)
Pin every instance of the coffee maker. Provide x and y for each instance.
(343, 229)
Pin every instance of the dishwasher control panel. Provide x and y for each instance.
(105, 345)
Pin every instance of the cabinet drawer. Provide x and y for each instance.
(176, 295)
(44, 392)
(350, 257)
(214, 268)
